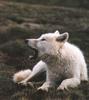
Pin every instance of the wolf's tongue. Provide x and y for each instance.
(35, 55)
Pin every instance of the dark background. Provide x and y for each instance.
(21, 19)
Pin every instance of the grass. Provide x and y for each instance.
(19, 21)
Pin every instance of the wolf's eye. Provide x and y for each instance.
(43, 39)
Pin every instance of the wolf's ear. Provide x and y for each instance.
(63, 37)
(56, 32)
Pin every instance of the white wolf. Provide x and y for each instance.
(60, 59)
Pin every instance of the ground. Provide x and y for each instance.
(19, 21)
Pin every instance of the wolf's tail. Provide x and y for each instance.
(21, 75)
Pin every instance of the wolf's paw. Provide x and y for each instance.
(43, 88)
(63, 87)
(23, 83)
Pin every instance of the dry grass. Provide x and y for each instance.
(19, 21)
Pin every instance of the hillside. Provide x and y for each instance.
(19, 21)
(66, 3)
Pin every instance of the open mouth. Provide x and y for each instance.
(35, 54)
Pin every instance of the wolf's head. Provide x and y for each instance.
(48, 43)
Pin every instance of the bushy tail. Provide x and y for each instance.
(21, 75)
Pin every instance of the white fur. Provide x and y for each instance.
(59, 58)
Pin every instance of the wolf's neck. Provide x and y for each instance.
(50, 60)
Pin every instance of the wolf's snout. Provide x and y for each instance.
(26, 41)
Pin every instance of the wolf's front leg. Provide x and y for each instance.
(48, 84)
(72, 82)
(37, 69)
